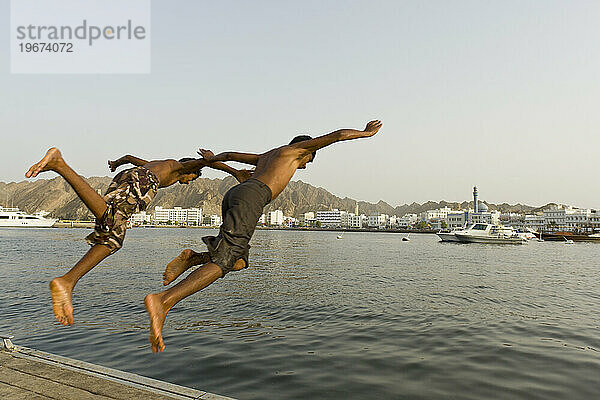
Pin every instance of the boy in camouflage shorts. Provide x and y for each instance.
(130, 191)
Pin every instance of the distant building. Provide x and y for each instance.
(330, 219)
(457, 219)
(377, 221)
(141, 218)
(177, 216)
(440, 214)
(481, 214)
(357, 221)
(407, 221)
(211, 220)
(535, 222)
(307, 219)
(275, 218)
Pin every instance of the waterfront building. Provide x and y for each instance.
(141, 218)
(578, 219)
(407, 221)
(377, 221)
(345, 219)
(330, 219)
(307, 219)
(595, 220)
(481, 213)
(177, 216)
(211, 220)
(535, 222)
(457, 219)
(561, 218)
(436, 223)
(357, 221)
(440, 213)
(290, 221)
(275, 218)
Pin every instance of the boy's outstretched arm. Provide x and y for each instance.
(246, 158)
(343, 134)
(240, 175)
(127, 159)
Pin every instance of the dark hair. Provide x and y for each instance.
(184, 159)
(302, 138)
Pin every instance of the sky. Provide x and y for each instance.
(499, 94)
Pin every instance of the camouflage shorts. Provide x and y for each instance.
(129, 192)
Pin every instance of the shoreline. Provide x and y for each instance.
(90, 224)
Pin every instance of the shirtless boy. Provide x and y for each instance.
(130, 192)
(242, 207)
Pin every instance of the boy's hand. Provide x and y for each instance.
(112, 165)
(243, 175)
(206, 154)
(372, 128)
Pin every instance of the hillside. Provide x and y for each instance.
(56, 196)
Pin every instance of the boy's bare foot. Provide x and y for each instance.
(50, 161)
(157, 315)
(61, 301)
(188, 258)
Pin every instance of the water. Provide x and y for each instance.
(366, 317)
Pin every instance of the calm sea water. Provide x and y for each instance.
(366, 317)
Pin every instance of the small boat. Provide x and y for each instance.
(449, 236)
(339, 237)
(568, 241)
(490, 233)
(406, 238)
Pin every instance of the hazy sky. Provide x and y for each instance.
(499, 94)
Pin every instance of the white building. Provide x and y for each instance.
(211, 220)
(576, 219)
(330, 219)
(177, 215)
(307, 219)
(275, 218)
(377, 221)
(440, 213)
(457, 219)
(140, 218)
(492, 217)
(535, 222)
(407, 221)
(290, 221)
(480, 214)
(357, 221)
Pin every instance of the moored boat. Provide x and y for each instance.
(490, 233)
(12, 217)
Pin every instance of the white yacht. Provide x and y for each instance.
(13, 217)
(489, 233)
(449, 236)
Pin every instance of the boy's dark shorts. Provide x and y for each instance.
(129, 192)
(241, 208)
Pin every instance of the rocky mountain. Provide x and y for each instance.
(56, 196)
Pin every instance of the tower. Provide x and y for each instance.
(475, 206)
(356, 209)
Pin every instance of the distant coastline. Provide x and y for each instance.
(90, 224)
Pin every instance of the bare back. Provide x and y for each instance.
(167, 171)
(276, 168)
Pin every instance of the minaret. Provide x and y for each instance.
(475, 206)
(356, 209)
